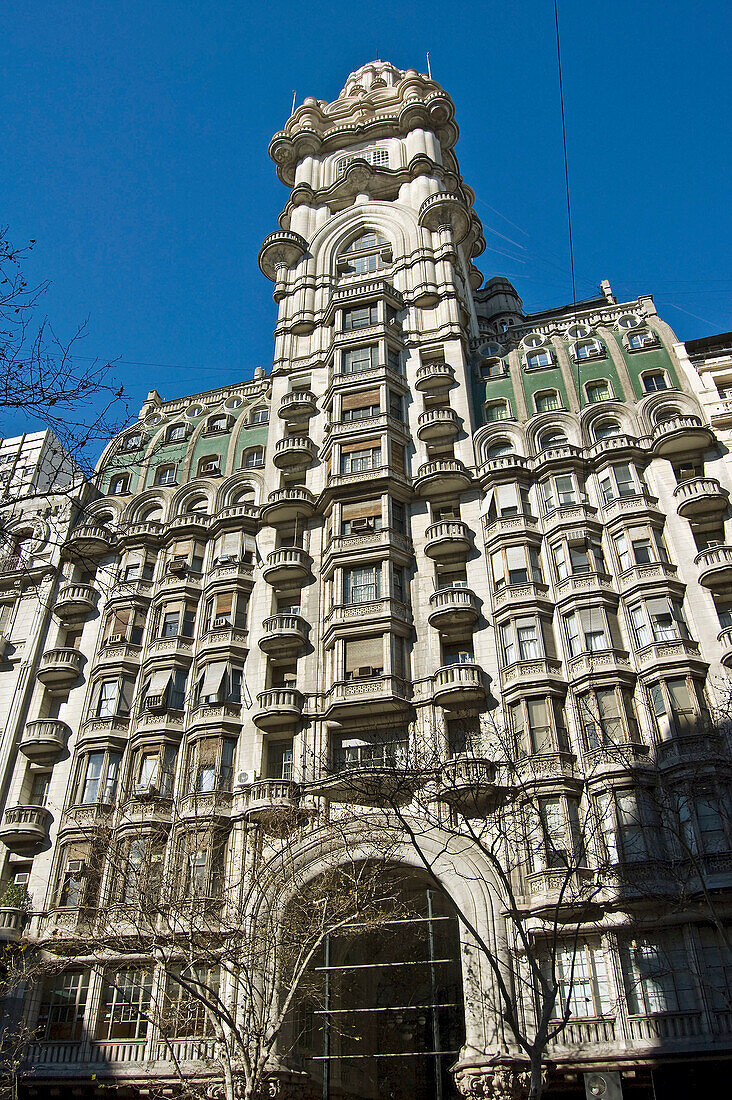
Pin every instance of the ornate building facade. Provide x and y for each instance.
(441, 539)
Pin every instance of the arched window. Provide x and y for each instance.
(605, 429)
(637, 341)
(369, 252)
(554, 437)
(493, 368)
(260, 415)
(120, 485)
(152, 514)
(534, 340)
(209, 465)
(666, 412)
(598, 391)
(497, 410)
(537, 359)
(195, 506)
(218, 423)
(253, 457)
(176, 433)
(244, 496)
(655, 380)
(499, 449)
(547, 401)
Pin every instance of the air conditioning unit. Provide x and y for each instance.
(363, 672)
(115, 639)
(155, 702)
(220, 621)
(177, 565)
(225, 559)
(362, 525)
(147, 791)
(210, 468)
(75, 866)
(22, 878)
(246, 778)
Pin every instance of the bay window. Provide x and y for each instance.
(559, 491)
(226, 610)
(553, 833)
(657, 620)
(516, 565)
(371, 750)
(176, 618)
(628, 826)
(360, 316)
(211, 764)
(607, 717)
(361, 517)
(657, 975)
(202, 856)
(702, 822)
(220, 682)
(357, 360)
(583, 979)
(508, 500)
(364, 657)
(165, 690)
(639, 546)
(362, 585)
(124, 624)
(715, 964)
(136, 567)
(125, 1004)
(587, 631)
(74, 886)
(676, 706)
(186, 554)
(153, 770)
(536, 725)
(521, 640)
(574, 558)
(62, 1007)
(112, 697)
(619, 482)
(360, 405)
(189, 990)
(97, 777)
(359, 457)
(141, 874)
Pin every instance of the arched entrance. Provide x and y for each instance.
(384, 1018)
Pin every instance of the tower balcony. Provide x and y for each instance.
(376, 693)
(60, 668)
(293, 451)
(700, 496)
(468, 783)
(74, 601)
(458, 685)
(286, 505)
(271, 800)
(89, 540)
(725, 641)
(287, 564)
(24, 829)
(434, 376)
(279, 709)
(44, 740)
(297, 405)
(680, 435)
(447, 539)
(715, 566)
(453, 608)
(435, 425)
(442, 477)
(284, 635)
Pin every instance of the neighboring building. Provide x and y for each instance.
(438, 520)
(32, 464)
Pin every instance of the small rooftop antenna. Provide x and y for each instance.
(429, 68)
(294, 94)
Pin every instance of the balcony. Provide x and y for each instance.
(270, 800)
(289, 564)
(613, 449)
(147, 807)
(434, 376)
(144, 533)
(521, 595)
(279, 709)
(637, 506)
(438, 425)
(468, 783)
(680, 435)
(387, 612)
(561, 889)
(284, 635)
(613, 663)
(442, 477)
(453, 608)
(458, 685)
(374, 539)
(366, 782)
(293, 452)
(529, 673)
(653, 572)
(570, 515)
(562, 457)
(584, 584)
(230, 568)
(44, 741)
(505, 526)
(24, 829)
(695, 749)
(223, 635)
(505, 468)
(12, 923)
(725, 641)
(243, 517)
(447, 539)
(700, 496)
(286, 505)
(673, 652)
(60, 668)
(89, 540)
(74, 601)
(715, 566)
(297, 405)
(378, 693)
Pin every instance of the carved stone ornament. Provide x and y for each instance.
(494, 1082)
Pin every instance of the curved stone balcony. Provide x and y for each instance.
(503, 468)
(74, 601)
(600, 664)
(584, 584)
(447, 539)
(244, 517)
(286, 505)
(562, 457)
(468, 783)
(286, 564)
(279, 709)
(668, 655)
(12, 923)
(271, 800)
(297, 405)
(434, 376)
(24, 829)
(442, 477)
(293, 451)
(438, 424)
(613, 448)
(458, 685)
(145, 533)
(284, 635)
(725, 640)
(715, 566)
(453, 608)
(700, 496)
(44, 740)
(60, 668)
(280, 249)
(623, 509)
(680, 435)
(89, 540)
(570, 515)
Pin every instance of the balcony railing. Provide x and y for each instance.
(74, 600)
(44, 740)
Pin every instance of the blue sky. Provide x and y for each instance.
(135, 152)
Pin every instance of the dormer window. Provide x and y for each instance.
(217, 424)
(259, 415)
(637, 341)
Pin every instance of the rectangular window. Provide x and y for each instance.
(367, 458)
(361, 317)
(584, 986)
(125, 1003)
(362, 585)
(657, 976)
(356, 360)
(63, 1003)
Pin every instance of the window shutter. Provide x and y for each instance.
(366, 509)
(397, 455)
(213, 678)
(360, 400)
(363, 652)
(224, 603)
(362, 445)
(516, 557)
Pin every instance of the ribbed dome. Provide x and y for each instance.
(375, 74)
